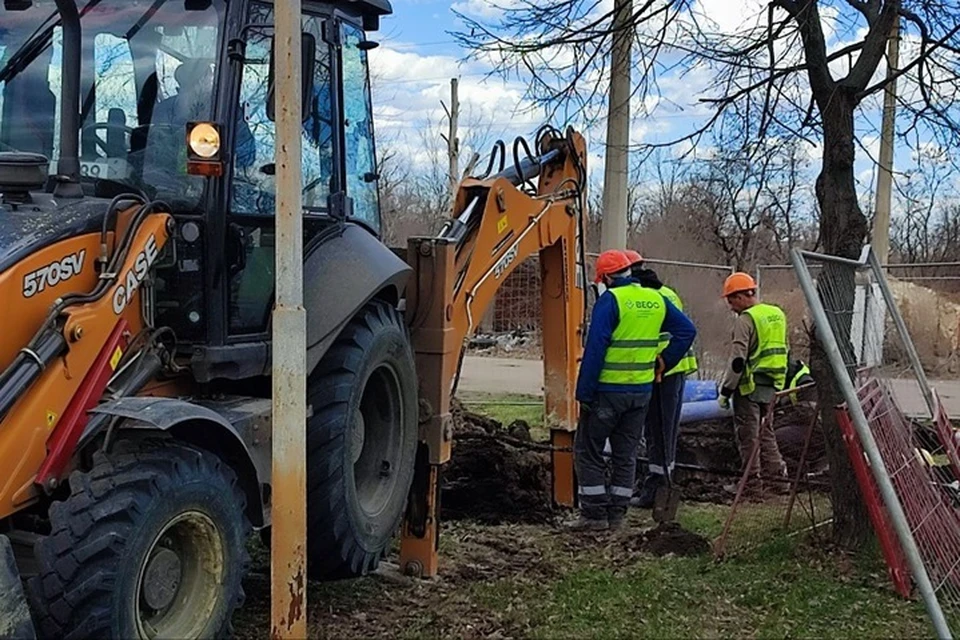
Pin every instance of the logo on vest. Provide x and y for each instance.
(642, 304)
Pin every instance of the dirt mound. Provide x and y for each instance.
(670, 539)
(696, 486)
(712, 445)
(495, 475)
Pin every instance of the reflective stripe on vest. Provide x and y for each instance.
(631, 357)
(770, 356)
(688, 364)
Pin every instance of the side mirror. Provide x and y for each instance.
(308, 56)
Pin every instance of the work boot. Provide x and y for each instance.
(778, 485)
(583, 524)
(753, 489)
(616, 516)
(648, 492)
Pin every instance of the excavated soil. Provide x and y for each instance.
(500, 479)
(495, 475)
(669, 539)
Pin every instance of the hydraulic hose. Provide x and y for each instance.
(27, 367)
(48, 343)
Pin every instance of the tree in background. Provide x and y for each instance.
(778, 77)
(415, 196)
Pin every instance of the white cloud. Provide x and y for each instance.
(391, 65)
(731, 16)
(484, 9)
(409, 88)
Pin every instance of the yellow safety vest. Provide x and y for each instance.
(631, 357)
(770, 356)
(795, 382)
(689, 362)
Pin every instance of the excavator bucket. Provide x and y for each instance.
(15, 622)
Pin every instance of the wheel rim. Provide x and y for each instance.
(376, 440)
(179, 582)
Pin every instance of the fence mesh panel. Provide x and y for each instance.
(511, 326)
(927, 296)
(801, 503)
(862, 313)
(699, 287)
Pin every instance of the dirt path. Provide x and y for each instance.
(505, 376)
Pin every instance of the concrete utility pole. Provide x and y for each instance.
(288, 589)
(613, 226)
(881, 220)
(453, 142)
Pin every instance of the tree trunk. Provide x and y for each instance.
(843, 228)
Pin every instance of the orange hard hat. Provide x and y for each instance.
(610, 262)
(633, 256)
(738, 282)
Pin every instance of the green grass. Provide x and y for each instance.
(507, 408)
(785, 588)
(537, 582)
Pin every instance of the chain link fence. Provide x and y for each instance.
(913, 463)
(799, 503)
(927, 296)
(511, 326)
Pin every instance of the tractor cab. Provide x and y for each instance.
(175, 102)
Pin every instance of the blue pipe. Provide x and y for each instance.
(698, 390)
(703, 410)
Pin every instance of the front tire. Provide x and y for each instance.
(361, 443)
(150, 543)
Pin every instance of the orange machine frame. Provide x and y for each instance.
(454, 283)
(87, 327)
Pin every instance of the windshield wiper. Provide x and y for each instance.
(30, 49)
(36, 44)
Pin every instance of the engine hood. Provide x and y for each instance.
(24, 228)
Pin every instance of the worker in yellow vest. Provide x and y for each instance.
(621, 360)
(662, 425)
(757, 371)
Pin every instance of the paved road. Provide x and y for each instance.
(505, 375)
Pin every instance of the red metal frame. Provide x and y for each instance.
(889, 545)
(63, 440)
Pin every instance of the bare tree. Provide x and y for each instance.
(414, 180)
(779, 76)
(928, 201)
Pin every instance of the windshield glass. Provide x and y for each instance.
(148, 68)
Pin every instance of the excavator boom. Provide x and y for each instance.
(499, 221)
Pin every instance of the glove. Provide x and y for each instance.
(660, 368)
(724, 402)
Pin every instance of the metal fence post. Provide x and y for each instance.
(860, 423)
(288, 589)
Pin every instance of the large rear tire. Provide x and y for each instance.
(361, 443)
(150, 543)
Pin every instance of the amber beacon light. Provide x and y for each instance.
(203, 149)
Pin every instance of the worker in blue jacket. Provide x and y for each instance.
(619, 367)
